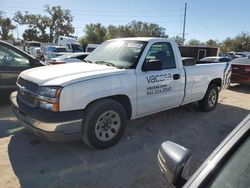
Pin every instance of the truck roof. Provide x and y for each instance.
(143, 38)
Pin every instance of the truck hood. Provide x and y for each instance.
(62, 75)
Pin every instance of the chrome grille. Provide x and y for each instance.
(27, 84)
(25, 89)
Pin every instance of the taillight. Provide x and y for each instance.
(235, 68)
(247, 69)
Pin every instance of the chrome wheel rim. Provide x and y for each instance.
(107, 126)
(212, 97)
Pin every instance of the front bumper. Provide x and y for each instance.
(49, 129)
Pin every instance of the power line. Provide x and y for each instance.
(121, 16)
(94, 10)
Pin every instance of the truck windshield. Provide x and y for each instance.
(118, 53)
(60, 50)
(35, 44)
(76, 48)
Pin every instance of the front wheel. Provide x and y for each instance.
(42, 58)
(209, 101)
(104, 124)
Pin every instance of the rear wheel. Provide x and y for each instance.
(209, 102)
(104, 123)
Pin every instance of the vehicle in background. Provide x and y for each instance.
(49, 52)
(12, 62)
(198, 52)
(33, 48)
(70, 43)
(91, 47)
(214, 59)
(121, 79)
(240, 70)
(227, 166)
(243, 54)
(69, 58)
(234, 55)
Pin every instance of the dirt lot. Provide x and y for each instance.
(27, 161)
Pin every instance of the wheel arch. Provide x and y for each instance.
(217, 82)
(121, 99)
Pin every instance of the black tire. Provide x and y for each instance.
(42, 58)
(93, 114)
(207, 104)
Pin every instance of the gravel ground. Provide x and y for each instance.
(27, 161)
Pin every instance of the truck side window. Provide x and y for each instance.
(162, 51)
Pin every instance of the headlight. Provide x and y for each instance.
(48, 91)
(49, 98)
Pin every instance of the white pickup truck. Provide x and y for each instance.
(122, 79)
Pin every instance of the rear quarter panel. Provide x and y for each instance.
(198, 78)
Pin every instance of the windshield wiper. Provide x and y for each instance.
(105, 63)
(87, 61)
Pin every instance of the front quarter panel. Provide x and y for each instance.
(78, 95)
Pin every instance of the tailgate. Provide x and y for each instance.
(241, 69)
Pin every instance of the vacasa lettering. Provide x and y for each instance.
(158, 78)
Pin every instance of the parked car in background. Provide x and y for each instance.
(49, 52)
(227, 166)
(33, 48)
(243, 54)
(12, 62)
(214, 59)
(69, 58)
(240, 70)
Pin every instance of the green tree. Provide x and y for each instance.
(212, 43)
(238, 44)
(31, 35)
(36, 22)
(59, 22)
(143, 29)
(241, 42)
(118, 31)
(82, 41)
(227, 45)
(95, 33)
(6, 27)
(178, 39)
(195, 42)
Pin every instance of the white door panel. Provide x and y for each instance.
(157, 90)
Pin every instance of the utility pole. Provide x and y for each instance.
(184, 24)
(17, 32)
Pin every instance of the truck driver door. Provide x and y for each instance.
(159, 89)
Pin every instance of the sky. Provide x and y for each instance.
(210, 19)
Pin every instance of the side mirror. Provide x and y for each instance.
(152, 65)
(172, 158)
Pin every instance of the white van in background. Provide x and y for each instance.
(70, 43)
